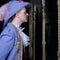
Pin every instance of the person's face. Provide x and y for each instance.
(22, 15)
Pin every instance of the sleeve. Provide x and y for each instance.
(6, 44)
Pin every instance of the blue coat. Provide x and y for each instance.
(8, 42)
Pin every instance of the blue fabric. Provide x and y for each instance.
(7, 42)
(13, 7)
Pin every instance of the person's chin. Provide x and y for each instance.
(24, 21)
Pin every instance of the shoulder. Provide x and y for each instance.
(8, 31)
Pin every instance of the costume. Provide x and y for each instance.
(9, 41)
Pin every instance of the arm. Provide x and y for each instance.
(6, 44)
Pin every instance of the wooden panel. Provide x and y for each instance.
(32, 30)
(58, 29)
(43, 31)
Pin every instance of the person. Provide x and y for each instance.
(12, 39)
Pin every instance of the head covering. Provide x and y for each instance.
(13, 7)
(3, 11)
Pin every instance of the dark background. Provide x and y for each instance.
(51, 10)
